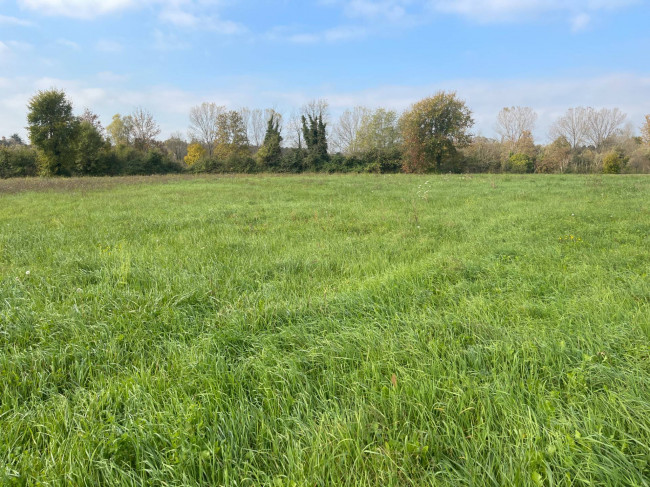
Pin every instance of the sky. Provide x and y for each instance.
(112, 56)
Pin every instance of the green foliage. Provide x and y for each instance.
(314, 132)
(519, 163)
(432, 130)
(231, 140)
(378, 132)
(355, 330)
(18, 161)
(613, 162)
(269, 156)
(120, 130)
(92, 152)
(53, 130)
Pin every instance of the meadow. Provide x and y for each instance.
(315, 330)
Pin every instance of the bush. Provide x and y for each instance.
(18, 161)
(520, 164)
(613, 163)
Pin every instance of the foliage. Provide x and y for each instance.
(645, 130)
(555, 157)
(52, 129)
(314, 131)
(432, 131)
(92, 151)
(519, 163)
(378, 131)
(18, 161)
(195, 152)
(483, 155)
(232, 139)
(269, 156)
(176, 147)
(613, 162)
(120, 130)
(325, 331)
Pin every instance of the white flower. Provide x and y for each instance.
(27, 273)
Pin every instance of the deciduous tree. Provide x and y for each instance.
(144, 129)
(645, 130)
(204, 124)
(195, 152)
(572, 126)
(603, 124)
(52, 129)
(432, 131)
(514, 122)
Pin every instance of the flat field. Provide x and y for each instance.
(325, 330)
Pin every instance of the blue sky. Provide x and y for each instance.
(168, 55)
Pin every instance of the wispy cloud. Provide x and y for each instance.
(512, 10)
(194, 14)
(8, 20)
(69, 44)
(336, 34)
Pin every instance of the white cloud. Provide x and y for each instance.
(336, 34)
(78, 8)
(406, 12)
(499, 10)
(180, 13)
(8, 20)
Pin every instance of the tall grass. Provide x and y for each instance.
(326, 330)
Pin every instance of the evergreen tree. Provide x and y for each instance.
(270, 154)
(315, 135)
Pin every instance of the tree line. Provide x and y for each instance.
(433, 135)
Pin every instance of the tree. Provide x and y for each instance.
(346, 130)
(294, 131)
(256, 121)
(556, 157)
(176, 146)
(314, 131)
(270, 154)
(645, 130)
(52, 129)
(432, 130)
(514, 122)
(231, 139)
(91, 157)
(603, 124)
(120, 130)
(144, 129)
(204, 123)
(572, 126)
(613, 162)
(195, 152)
(378, 131)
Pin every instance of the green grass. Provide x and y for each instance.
(326, 330)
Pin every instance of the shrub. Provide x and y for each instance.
(519, 163)
(613, 163)
(18, 161)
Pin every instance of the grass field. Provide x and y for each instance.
(325, 330)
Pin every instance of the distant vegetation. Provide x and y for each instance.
(433, 135)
